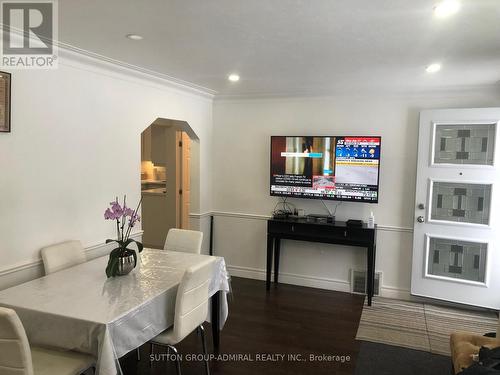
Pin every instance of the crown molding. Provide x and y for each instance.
(387, 92)
(67, 50)
(72, 52)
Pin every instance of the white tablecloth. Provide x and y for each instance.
(79, 309)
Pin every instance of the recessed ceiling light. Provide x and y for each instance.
(134, 36)
(233, 77)
(433, 68)
(446, 8)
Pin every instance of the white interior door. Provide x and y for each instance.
(456, 240)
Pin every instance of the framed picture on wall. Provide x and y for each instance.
(4, 102)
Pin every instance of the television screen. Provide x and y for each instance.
(338, 168)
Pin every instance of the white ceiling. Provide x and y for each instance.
(291, 47)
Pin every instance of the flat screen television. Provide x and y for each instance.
(344, 168)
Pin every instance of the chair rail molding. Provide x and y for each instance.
(240, 215)
(32, 269)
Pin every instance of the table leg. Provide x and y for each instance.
(276, 259)
(215, 321)
(370, 274)
(374, 255)
(269, 265)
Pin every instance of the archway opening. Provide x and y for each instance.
(169, 178)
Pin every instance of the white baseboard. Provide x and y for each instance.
(30, 270)
(314, 282)
(290, 278)
(395, 293)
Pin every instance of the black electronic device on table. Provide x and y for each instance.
(321, 218)
(280, 215)
(354, 223)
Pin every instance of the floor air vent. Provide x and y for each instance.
(358, 282)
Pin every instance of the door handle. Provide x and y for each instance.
(420, 219)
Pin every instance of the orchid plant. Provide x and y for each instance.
(126, 218)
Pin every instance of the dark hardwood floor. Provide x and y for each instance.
(290, 320)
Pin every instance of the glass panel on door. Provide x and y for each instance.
(461, 202)
(457, 259)
(464, 144)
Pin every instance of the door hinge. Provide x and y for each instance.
(180, 191)
(180, 143)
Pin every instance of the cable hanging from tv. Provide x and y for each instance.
(283, 208)
(330, 213)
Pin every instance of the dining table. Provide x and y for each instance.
(80, 309)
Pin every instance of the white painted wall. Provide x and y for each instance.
(75, 144)
(242, 130)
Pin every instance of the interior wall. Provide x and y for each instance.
(242, 130)
(75, 145)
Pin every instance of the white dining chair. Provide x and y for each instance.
(187, 241)
(63, 255)
(191, 309)
(16, 357)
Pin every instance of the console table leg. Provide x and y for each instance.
(269, 264)
(276, 259)
(374, 256)
(370, 274)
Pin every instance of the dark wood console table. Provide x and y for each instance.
(313, 231)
